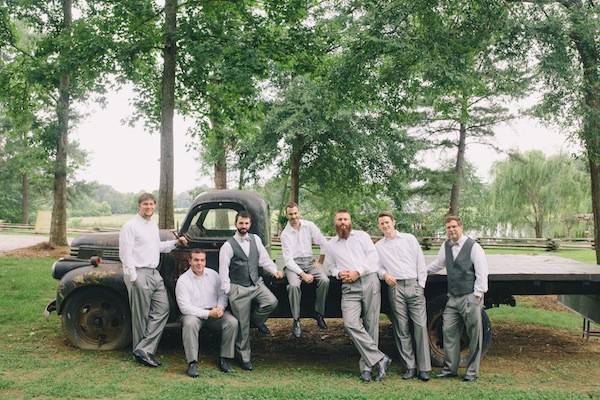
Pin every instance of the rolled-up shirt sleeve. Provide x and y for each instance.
(481, 270)
(318, 238)
(330, 261)
(126, 243)
(286, 246)
(439, 263)
(264, 259)
(222, 298)
(225, 255)
(182, 294)
(167, 246)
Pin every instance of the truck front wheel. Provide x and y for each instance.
(435, 309)
(97, 318)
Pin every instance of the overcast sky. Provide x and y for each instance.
(127, 158)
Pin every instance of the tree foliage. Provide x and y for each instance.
(532, 190)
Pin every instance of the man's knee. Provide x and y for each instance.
(323, 281)
(189, 321)
(230, 324)
(293, 287)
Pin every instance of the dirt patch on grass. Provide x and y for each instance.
(39, 250)
(549, 303)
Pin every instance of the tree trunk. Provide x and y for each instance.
(595, 175)
(58, 222)
(166, 218)
(220, 167)
(242, 180)
(458, 170)
(24, 199)
(295, 159)
(585, 42)
(539, 228)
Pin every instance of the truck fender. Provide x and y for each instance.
(106, 274)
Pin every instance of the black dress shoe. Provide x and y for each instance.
(320, 321)
(142, 357)
(410, 373)
(296, 330)
(192, 370)
(246, 365)
(263, 329)
(365, 376)
(470, 378)
(383, 366)
(423, 376)
(445, 374)
(224, 365)
(153, 358)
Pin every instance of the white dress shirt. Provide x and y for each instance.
(226, 254)
(478, 259)
(197, 294)
(140, 245)
(357, 253)
(402, 258)
(298, 243)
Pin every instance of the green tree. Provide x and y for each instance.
(64, 62)
(564, 37)
(435, 66)
(532, 190)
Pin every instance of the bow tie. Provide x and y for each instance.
(455, 244)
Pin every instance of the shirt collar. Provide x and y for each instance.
(240, 238)
(461, 241)
(142, 219)
(337, 238)
(396, 236)
(290, 228)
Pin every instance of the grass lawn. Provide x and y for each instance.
(536, 354)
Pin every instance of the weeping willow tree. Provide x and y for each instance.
(530, 190)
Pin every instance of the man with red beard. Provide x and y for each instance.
(352, 258)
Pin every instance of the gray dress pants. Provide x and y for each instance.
(240, 302)
(227, 326)
(462, 312)
(361, 303)
(149, 308)
(294, 282)
(407, 302)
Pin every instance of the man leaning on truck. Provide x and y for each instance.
(467, 271)
(139, 250)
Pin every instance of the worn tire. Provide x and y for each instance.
(435, 309)
(97, 318)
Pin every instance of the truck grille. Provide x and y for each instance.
(85, 252)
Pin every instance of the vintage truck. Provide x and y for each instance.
(92, 299)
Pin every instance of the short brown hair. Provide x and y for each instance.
(146, 196)
(386, 214)
(197, 251)
(450, 218)
(243, 214)
(291, 204)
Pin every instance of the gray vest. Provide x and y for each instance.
(461, 271)
(243, 269)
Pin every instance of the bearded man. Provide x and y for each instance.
(249, 299)
(352, 258)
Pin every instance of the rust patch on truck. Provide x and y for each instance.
(92, 277)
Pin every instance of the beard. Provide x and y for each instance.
(242, 231)
(343, 231)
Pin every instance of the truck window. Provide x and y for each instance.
(214, 222)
